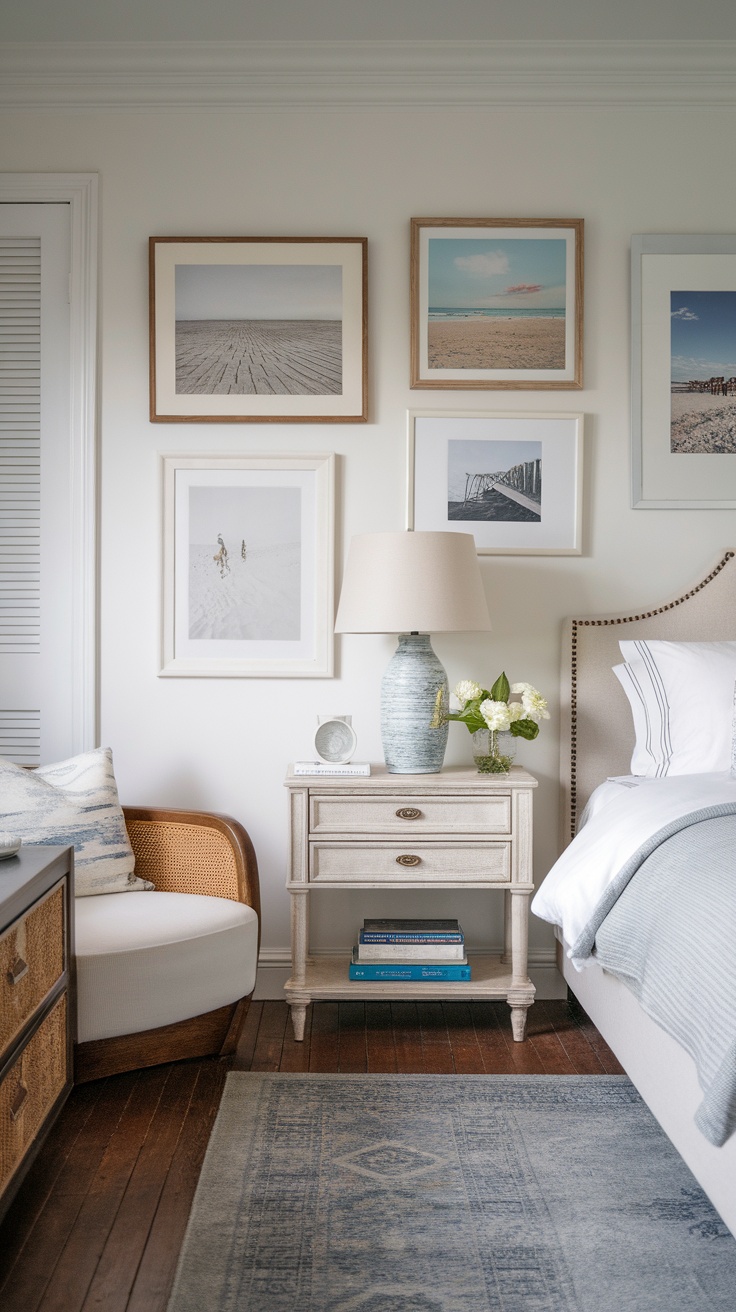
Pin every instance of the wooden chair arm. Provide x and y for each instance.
(194, 852)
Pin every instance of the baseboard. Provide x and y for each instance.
(274, 968)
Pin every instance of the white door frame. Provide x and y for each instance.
(79, 191)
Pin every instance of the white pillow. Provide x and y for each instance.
(74, 801)
(681, 696)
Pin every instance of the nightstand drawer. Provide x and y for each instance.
(354, 863)
(31, 961)
(30, 1088)
(410, 817)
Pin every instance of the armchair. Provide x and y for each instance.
(165, 975)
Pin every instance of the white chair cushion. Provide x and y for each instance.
(151, 959)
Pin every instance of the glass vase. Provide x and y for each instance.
(493, 751)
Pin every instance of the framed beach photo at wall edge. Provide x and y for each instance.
(258, 329)
(683, 371)
(513, 480)
(497, 303)
(248, 563)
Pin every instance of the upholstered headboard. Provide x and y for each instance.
(597, 736)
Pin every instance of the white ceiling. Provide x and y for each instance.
(350, 20)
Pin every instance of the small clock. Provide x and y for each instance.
(335, 739)
(10, 845)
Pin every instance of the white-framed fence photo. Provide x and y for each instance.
(513, 480)
(248, 566)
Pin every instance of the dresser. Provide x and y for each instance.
(456, 829)
(36, 1006)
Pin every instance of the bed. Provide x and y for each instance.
(597, 742)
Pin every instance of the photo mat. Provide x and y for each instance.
(248, 550)
(258, 329)
(496, 303)
(513, 480)
(683, 368)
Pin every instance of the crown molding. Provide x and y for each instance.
(144, 75)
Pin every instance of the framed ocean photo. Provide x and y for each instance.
(248, 566)
(513, 480)
(497, 303)
(683, 371)
(258, 329)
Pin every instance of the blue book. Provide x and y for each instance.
(411, 931)
(415, 970)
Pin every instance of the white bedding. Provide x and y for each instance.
(621, 815)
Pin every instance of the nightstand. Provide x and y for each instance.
(456, 829)
(36, 1006)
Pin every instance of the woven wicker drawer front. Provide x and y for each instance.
(31, 1087)
(31, 961)
(353, 863)
(410, 816)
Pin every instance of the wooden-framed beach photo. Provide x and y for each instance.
(683, 371)
(258, 329)
(248, 563)
(513, 480)
(497, 303)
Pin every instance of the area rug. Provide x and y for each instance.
(424, 1193)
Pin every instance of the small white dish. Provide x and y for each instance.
(10, 845)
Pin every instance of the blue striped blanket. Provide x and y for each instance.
(667, 928)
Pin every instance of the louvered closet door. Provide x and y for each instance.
(36, 676)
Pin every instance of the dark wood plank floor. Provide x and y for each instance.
(100, 1218)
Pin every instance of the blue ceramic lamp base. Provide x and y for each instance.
(408, 695)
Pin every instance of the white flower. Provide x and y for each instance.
(534, 704)
(521, 687)
(467, 691)
(516, 711)
(496, 714)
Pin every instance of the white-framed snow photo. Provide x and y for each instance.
(248, 566)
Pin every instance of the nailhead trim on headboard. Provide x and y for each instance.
(619, 619)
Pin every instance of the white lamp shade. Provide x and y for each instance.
(412, 582)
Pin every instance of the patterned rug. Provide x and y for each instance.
(425, 1193)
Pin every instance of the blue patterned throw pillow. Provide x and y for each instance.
(74, 801)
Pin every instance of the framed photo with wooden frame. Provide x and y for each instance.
(683, 371)
(513, 480)
(497, 303)
(258, 329)
(248, 564)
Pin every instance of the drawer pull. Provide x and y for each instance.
(19, 1102)
(18, 969)
(409, 813)
(408, 860)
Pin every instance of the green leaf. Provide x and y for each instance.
(501, 689)
(474, 721)
(525, 729)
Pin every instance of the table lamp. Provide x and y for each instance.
(411, 583)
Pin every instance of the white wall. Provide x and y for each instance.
(335, 20)
(225, 744)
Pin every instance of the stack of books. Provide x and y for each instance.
(411, 950)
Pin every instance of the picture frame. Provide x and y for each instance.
(258, 329)
(513, 479)
(497, 303)
(683, 371)
(248, 566)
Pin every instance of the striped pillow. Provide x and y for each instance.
(681, 696)
(74, 801)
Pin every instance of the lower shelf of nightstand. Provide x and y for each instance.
(327, 978)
